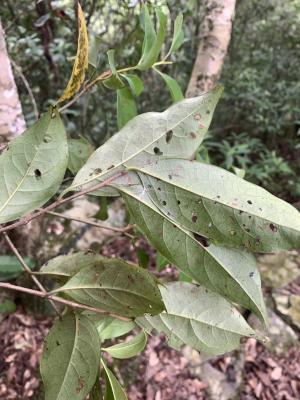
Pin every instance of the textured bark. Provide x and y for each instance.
(12, 121)
(215, 33)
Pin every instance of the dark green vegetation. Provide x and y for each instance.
(256, 126)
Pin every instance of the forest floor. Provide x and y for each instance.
(266, 371)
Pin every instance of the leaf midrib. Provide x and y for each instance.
(152, 174)
(244, 289)
(95, 177)
(10, 197)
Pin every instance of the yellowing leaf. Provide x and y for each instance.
(81, 60)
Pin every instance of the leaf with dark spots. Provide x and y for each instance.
(135, 142)
(194, 218)
(37, 173)
(278, 225)
(115, 286)
(71, 357)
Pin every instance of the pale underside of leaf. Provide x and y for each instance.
(117, 287)
(81, 60)
(129, 348)
(217, 204)
(71, 358)
(32, 167)
(230, 272)
(149, 137)
(197, 317)
(65, 266)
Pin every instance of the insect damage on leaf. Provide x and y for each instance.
(81, 60)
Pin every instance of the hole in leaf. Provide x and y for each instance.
(37, 173)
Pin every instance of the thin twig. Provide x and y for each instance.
(61, 300)
(27, 269)
(28, 218)
(26, 84)
(92, 223)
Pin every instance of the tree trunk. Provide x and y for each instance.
(12, 121)
(215, 34)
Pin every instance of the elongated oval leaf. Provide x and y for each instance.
(114, 390)
(150, 34)
(63, 267)
(173, 86)
(126, 106)
(232, 273)
(32, 167)
(150, 54)
(199, 318)
(71, 357)
(135, 83)
(149, 137)
(10, 267)
(117, 287)
(219, 205)
(178, 35)
(81, 60)
(128, 349)
(110, 327)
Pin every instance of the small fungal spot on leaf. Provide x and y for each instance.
(273, 228)
(159, 188)
(37, 173)
(164, 203)
(112, 166)
(157, 151)
(193, 135)
(251, 274)
(170, 176)
(57, 343)
(241, 212)
(97, 171)
(249, 201)
(178, 201)
(194, 218)
(169, 135)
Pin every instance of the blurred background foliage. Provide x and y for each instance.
(257, 123)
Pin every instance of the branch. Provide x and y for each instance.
(30, 217)
(92, 223)
(28, 270)
(26, 84)
(61, 300)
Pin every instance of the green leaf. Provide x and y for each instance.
(79, 152)
(173, 86)
(150, 34)
(219, 205)
(150, 54)
(114, 390)
(178, 36)
(184, 278)
(81, 60)
(32, 167)
(148, 137)
(117, 287)
(110, 327)
(7, 307)
(114, 82)
(111, 60)
(70, 360)
(161, 261)
(10, 267)
(128, 349)
(126, 106)
(199, 318)
(217, 268)
(102, 214)
(135, 83)
(63, 267)
(143, 257)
